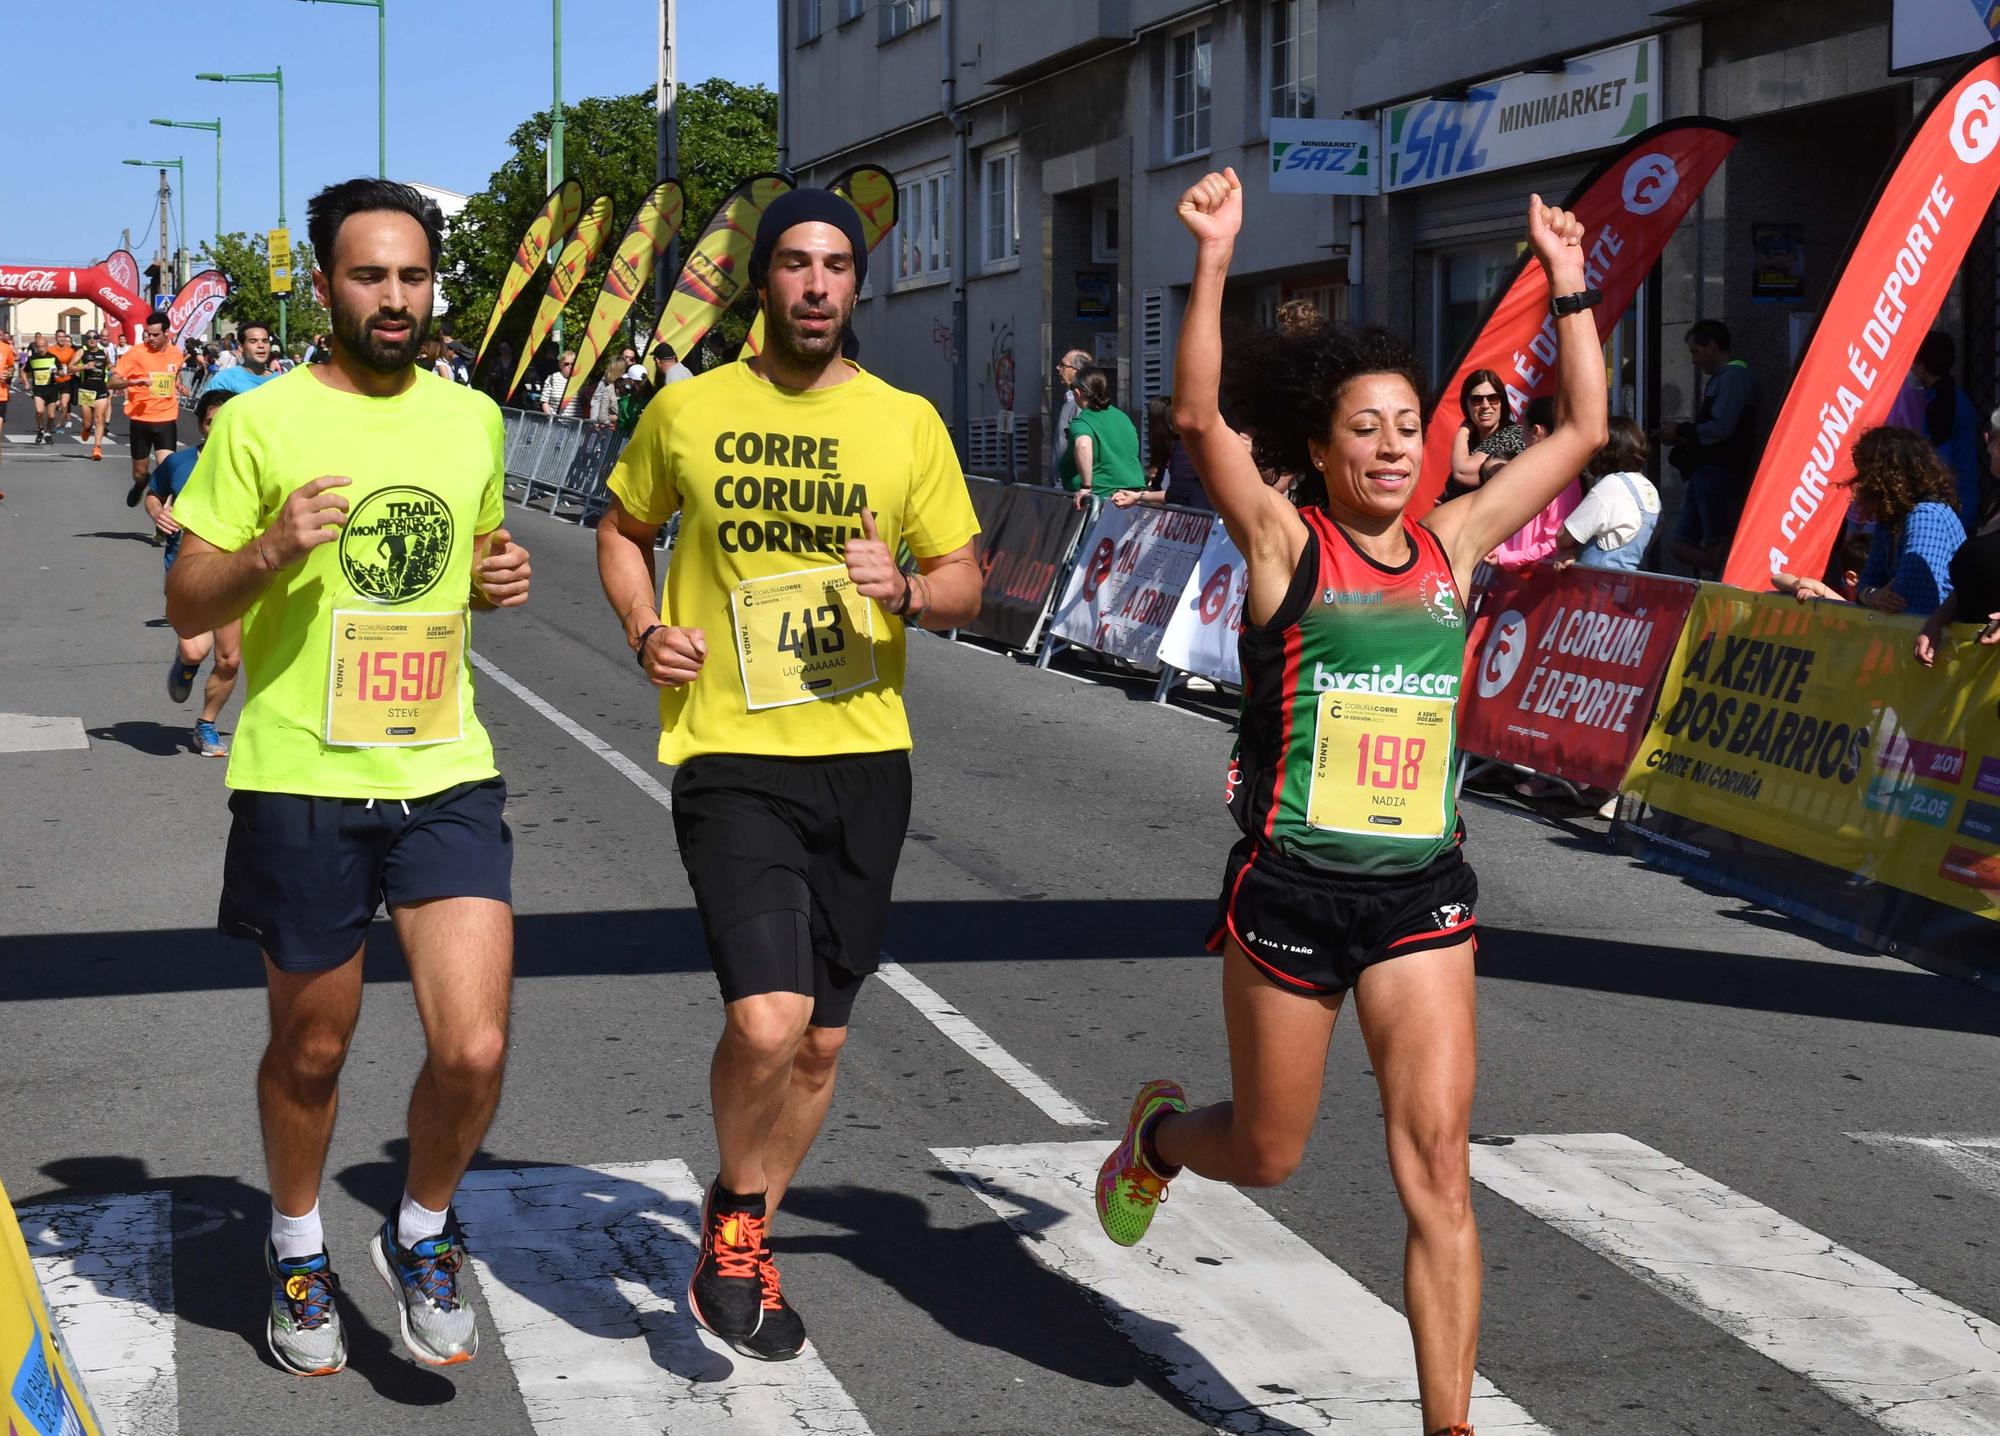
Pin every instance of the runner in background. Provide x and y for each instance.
(93, 375)
(1349, 875)
(253, 366)
(42, 367)
(347, 513)
(796, 475)
(226, 642)
(7, 366)
(148, 375)
(65, 351)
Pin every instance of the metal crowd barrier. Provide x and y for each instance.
(564, 459)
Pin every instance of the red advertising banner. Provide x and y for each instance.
(1630, 206)
(101, 284)
(1898, 271)
(1563, 668)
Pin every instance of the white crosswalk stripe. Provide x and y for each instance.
(1908, 1359)
(1977, 1159)
(585, 1271)
(1215, 1277)
(106, 1268)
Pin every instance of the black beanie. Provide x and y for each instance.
(803, 206)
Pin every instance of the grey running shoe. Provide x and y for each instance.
(303, 1331)
(437, 1320)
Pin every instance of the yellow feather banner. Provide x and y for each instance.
(653, 229)
(550, 228)
(714, 274)
(568, 274)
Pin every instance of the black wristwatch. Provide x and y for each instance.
(1566, 304)
(640, 652)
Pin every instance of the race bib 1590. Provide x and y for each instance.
(393, 678)
(802, 637)
(1381, 765)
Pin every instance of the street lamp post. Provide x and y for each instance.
(381, 9)
(180, 188)
(215, 126)
(556, 166)
(272, 77)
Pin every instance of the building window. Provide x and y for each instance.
(1000, 220)
(1104, 227)
(1188, 77)
(923, 229)
(1292, 57)
(809, 20)
(899, 17)
(850, 10)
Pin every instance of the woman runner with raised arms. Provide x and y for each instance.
(1352, 652)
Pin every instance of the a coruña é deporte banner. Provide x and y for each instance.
(1936, 198)
(1800, 755)
(1562, 668)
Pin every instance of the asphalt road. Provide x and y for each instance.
(1067, 842)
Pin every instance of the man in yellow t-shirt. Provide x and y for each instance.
(778, 650)
(148, 374)
(348, 513)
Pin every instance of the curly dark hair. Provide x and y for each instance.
(1897, 469)
(1281, 389)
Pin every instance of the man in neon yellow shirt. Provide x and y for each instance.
(348, 513)
(795, 474)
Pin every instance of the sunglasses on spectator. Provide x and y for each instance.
(1484, 399)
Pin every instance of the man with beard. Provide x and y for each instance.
(796, 475)
(148, 375)
(361, 773)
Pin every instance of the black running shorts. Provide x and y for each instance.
(303, 876)
(1314, 932)
(148, 439)
(792, 861)
(47, 393)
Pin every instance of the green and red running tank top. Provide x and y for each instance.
(1350, 703)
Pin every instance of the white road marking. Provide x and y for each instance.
(585, 1273)
(27, 733)
(1902, 1356)
(1977, 1159)
(946, 1018)
(106, 1268)
(1204, 1292)
(983, 1049)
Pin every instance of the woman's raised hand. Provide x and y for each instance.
(1212, 208)
(1556, 236)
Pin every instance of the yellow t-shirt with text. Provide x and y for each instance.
(357, 659)
(770, 484)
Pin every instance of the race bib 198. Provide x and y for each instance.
(1381, 765)
(802, 637)
(393, 679)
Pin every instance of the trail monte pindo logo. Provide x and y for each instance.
(395, 545)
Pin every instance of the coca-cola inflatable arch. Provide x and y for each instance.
(111, 284)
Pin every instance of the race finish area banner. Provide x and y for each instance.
(1897, 274)
(1630, 207)
(1025, 537)
(1129, 576)
(1201, 636)
(1799, 756)
(1563, 668)
(40, 1392)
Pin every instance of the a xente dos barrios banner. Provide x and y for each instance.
(1801, 757)
(714, 273)
(652, 230)
(41, 1391)
(550, 226)
(872, 191)
(1562, 668)
(1898, 271)
(563, 280)
(1630, 207)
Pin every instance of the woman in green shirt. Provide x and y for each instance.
(1103, 453)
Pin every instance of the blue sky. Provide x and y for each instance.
(462, 74)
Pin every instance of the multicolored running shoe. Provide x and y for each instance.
(1128, 1190)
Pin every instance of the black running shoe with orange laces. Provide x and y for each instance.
(734, 1292)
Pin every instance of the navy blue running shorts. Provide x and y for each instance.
(1315, 932)
(303, 876)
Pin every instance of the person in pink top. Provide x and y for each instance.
(1537, 538)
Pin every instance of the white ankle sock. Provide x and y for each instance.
(297, 1237)
(415, 1222)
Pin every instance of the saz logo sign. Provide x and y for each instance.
(395, 544)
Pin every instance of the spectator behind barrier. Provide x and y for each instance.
(1950, 421)
(1537, 538)
(1902, 487)
(1102, 456)
(1613, 525)
(1488, 432)
(1170, 476)
(1975, 574)
(1716, 451)
(1071, 365)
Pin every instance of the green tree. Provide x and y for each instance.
(245, 259)
(728, 132)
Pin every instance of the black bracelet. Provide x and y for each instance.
(640, 653)
(903, 604)
(1565, 304)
